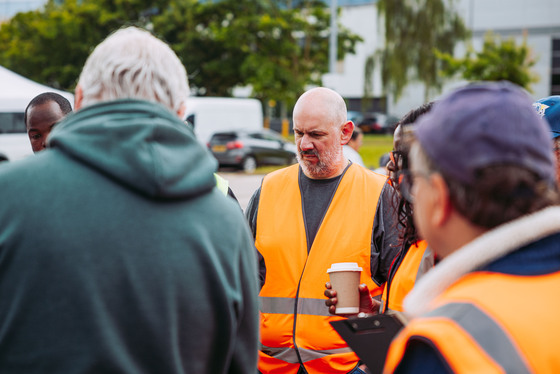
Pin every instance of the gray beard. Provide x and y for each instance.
(327, 163)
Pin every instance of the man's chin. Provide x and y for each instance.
(312, 170)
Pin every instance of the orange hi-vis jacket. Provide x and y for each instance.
(295, 327)
(483, 324)
(417, 260)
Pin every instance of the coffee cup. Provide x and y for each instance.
(345, 279)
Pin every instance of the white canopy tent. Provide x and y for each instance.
(17, 91)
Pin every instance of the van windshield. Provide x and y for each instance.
(11, 123)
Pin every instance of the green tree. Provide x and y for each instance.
(497, 60)
(196, 31)
(276, 50)
(50, 45)
(413, 29)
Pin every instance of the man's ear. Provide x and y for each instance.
(78, 97)
(347, 130)
(442, 206)
(182, 111)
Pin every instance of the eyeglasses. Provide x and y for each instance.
(405, 180)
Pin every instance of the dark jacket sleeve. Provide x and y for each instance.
(251, 215)
(422, 358)
(385, 236)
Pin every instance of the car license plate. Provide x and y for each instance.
(219, 148)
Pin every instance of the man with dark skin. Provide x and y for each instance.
(41, 114)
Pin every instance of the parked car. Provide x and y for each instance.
(208, 115)
(355, 116)
(248, 149)
(374, 122)
(389, 124)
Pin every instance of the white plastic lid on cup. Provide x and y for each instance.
(344, 266)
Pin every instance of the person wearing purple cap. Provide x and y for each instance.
(549, 109)
(483, 187)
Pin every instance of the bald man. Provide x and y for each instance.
(323, 210)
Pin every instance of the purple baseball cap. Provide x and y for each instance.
(486, 124)
(549, 109)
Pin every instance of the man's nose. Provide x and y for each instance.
(305, 144)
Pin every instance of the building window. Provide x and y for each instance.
(555, 68)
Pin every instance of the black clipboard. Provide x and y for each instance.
(370, 337)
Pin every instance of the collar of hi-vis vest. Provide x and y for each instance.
(483, 250)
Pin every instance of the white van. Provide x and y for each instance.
(216, 114)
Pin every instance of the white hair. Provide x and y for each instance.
(132, 63)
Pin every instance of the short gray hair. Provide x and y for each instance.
(132, 63)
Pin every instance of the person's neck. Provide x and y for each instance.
(458, 233)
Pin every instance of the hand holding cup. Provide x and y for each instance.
(347, 297)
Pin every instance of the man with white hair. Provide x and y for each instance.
(117, 252)
(306, 217)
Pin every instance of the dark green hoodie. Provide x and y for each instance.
(119, 255)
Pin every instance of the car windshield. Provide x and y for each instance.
(224, 137)
(267, 135)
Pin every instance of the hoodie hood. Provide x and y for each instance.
(140, 144)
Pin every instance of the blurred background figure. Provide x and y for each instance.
(383, 160)
(350, 149)
(42, 113)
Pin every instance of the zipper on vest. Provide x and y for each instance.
(309, 245)
(295, 319)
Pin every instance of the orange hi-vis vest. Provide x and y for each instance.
(295, 327)
(491, 323)
(414, 264)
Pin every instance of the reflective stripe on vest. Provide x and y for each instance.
(285, 305)
(296, 281)
(222, 184)
(487, 333)
(291, 356)
(477, 326)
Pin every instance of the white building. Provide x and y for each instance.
(538, 20)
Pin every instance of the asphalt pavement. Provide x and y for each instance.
(243, 185)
